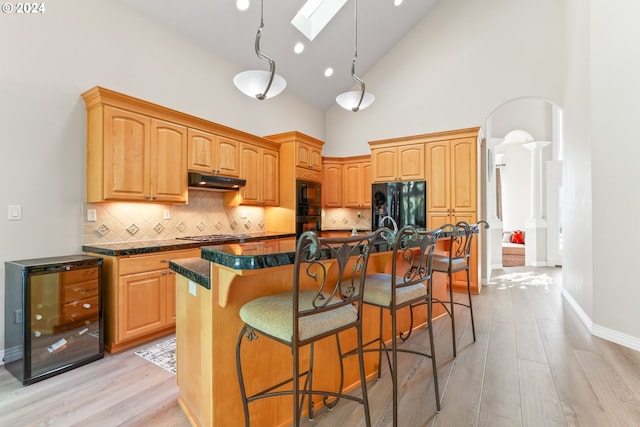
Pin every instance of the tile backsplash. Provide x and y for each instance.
(204, 214)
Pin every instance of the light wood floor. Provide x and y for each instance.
(533, 364)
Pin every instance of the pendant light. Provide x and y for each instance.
(355, 100)
(258, 83)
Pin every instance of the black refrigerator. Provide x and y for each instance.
(405, 202)
(53, 315)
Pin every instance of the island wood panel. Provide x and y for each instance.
(209, 391)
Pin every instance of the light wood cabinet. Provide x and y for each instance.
(451, 181)
(332, 183)
(260, 167)
(139, 297)
(300, 159)
(357, 184)
(393, 162)
(309, 156)
(141, 152)
(134, 157)
(212, 154)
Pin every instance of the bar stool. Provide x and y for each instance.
(460, 244)
(322, 303)
(408, 284)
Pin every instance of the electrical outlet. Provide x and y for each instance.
(359, 214)
(192, 288)
(18, 316)
(91, 215)
(166, 214)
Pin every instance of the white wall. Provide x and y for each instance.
(454, 68)
(49, 60)
(615, 150)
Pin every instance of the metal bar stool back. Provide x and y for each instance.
(460, 245)
(408, 284)
(326, 298)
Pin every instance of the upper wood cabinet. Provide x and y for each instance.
(332, 183)
(134, 157)
(212, 154)
(357, 177)
(309, 156)
(394, 162)
(260, 167)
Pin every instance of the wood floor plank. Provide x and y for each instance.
(540, 403)
(620, 404)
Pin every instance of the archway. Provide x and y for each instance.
(515, 131)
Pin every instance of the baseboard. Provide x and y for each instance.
(616, 337)
(600, 331)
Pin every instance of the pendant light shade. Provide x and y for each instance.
(253, 83)
(257, 83)
(355, 100)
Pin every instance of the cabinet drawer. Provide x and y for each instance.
(79, 291)
(79, 310)
(81, 275)
(142, 263)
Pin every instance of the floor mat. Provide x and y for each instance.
(162, 354)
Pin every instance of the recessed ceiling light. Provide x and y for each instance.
(397, 2)
(328, 72)
(299, 47)
(243, 4)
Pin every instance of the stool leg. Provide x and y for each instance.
(473, 325)
(432, 349)
(243, 392)
(453, 316)
(363, 380)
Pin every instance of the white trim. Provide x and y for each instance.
(578, 310)
(601, 331)
(616, 337)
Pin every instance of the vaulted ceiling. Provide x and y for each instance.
(220, 27)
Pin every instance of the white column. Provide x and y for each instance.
(536, 225)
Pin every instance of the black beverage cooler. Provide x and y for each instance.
(53, 315)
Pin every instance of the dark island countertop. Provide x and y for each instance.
(195, 269)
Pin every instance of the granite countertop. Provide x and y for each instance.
(194, 269)
(151, 246)
(263, 254)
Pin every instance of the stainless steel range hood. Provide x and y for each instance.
(214, 182)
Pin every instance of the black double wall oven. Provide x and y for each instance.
(308, 206)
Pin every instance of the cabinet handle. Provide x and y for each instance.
(86, 305)
(147, 197)
(164, 273)
(154, 197)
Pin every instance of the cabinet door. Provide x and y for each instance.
(200, 147)
(366, 184)
(171, 298)
(168, 162)
(411, 162)
(463, 175)
(227, 157)
(438, 182)
(332, 185)
(270, 177)
(250, 161)
(352, 185)
(127, 160)
(315, 158)
(143, 300)
(384, 164)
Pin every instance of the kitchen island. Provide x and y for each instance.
(208, 325)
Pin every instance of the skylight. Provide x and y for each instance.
(314, 15)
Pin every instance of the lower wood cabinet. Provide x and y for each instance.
(139, 298)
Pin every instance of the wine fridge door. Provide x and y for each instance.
(56, 315)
